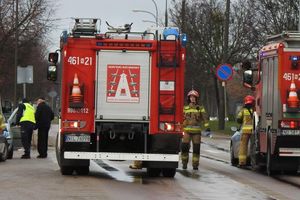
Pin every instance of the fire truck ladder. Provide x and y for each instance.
(167, 63)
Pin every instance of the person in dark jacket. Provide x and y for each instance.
(43, 116)
(25, 118)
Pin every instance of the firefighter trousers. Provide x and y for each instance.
(185, 147)
(244, 148)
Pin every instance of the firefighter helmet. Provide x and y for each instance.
(194, 93)
(249, 100)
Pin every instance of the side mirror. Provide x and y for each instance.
(52, 73)
(248, 77)
(53, 57)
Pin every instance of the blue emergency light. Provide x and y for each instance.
(170, 31)
(183, 38)
(294, 58)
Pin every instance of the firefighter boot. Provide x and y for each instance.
(137, 164)
(196, 156)
(185, 154)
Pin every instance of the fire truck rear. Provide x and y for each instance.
(275, 143)
(121, 97)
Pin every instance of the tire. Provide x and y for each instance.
(253, 156)
(66, 170)
(270, 161)
(169, 172)
(11, 152)
(83, 170)
(3, 156)
(234, 161)
(153, 172)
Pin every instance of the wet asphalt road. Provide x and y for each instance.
(216, 179)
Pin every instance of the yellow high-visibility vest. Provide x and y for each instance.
(28, 113)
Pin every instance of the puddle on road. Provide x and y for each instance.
(119, 175)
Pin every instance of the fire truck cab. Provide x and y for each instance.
(275, 141)
(122, 96)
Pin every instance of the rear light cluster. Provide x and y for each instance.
(290, 124)
(167, 126)
(73, 124)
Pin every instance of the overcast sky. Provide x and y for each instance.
(116, 12)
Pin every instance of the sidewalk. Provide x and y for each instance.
(218, 140)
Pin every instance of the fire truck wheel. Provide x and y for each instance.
(153, 172)
(169, 172)
(270, 161)
(234, 161)
(253, 156)
(83, 170)
(66, 170)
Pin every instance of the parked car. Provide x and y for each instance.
(235, 147)
(6, 139)
(14, 130)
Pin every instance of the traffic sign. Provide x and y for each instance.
(224, 72)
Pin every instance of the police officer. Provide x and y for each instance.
(26, 119)
(244, 118)
(194, 118)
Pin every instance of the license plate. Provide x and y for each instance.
(77, 138)
(290, 132)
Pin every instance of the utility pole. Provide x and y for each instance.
(299, 16)
(183, 7)
(222, 102)
(166, 14)
(16, 51)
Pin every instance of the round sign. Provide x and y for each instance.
(224, 72)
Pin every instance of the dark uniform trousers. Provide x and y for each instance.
(26, 135)
(43, 141)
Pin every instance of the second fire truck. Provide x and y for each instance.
(122, 97)
(276, 140)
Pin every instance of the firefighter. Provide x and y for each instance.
(26, 119)
(194, 118)
(244, 118)
(2, 123)
(137, 164)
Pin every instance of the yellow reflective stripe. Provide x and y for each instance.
(191, 110)
(194, 130)
(206, 125)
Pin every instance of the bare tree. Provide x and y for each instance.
(34, 23)
(205, 29)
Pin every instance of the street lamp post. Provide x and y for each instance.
(145, 11)
(156, 10)
(156, 13)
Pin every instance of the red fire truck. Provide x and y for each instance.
(122, 95)
(275, 143)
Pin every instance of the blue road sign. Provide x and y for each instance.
(224, 72)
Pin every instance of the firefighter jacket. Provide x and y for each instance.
(2, 123)
(244, 117)
(28, 113)
(195, 118)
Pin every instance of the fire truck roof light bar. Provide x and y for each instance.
(121, 156)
